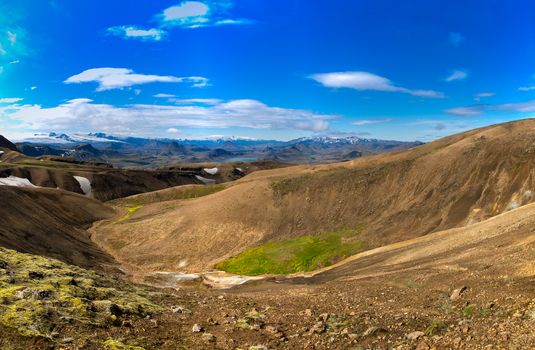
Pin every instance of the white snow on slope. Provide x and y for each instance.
(15, 181)
(205, 180)
(211, 171)
(85, 184)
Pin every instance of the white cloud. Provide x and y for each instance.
(471, 111)
(224, 22)
(206, 101)
(197, 14)
(526, 88)
(33, 88)
(149, 119)
(1, 69)
(2, 51)
(367, 81)
(12, 37)
(133, 32)
(14, 62)
(479, 96)
(117, 78)
(457, 75)
(371, 121)
(163, 95)
(10, 99)
(173, 131)
(456, 39)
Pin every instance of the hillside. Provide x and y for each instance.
(107, 183)
(452, 182)
(52, 223)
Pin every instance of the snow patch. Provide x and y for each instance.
(2, 152)
(16, 181)
(211, 171)
(85, 184)
(205, 180)
(222, 280)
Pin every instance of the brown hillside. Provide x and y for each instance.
(452, 182)
(51, 223)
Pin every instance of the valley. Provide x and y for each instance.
(431, 247)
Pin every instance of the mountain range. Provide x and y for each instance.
(150, 152)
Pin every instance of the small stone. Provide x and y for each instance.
(258, 347)
(308, 313)
(318, 328)
(373, 331)
(457, 293)
(415, 335)
(178, 309)
(196, 328)
(324, 317)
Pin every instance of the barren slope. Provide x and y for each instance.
(449, 183)
(52, 223)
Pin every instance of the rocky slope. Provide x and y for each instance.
(52, 223)
(452, 182)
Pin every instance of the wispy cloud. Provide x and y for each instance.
(133, 32)
(12, 37)
(173, 131)
(10, 99)
(205, 101)
(149, 119)
(163, 95)
(471, 111)
(367, 81)
(455, 39)
(479, 96)
(527, 88)
(457, 75)
(197, 14)
(117, 78)
(371, 121)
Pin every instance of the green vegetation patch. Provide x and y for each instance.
(176, 193)
(301, 254)
(131, 211)
(38, 294)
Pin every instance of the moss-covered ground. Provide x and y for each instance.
(306, 253)
(38, 295)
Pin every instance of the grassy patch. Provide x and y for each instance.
(176, 193)
(131, 211)
(300, 254)
(38, 295)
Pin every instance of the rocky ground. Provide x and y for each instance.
(422, 310)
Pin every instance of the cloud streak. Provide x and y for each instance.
(457, 75)
(364, 81)
(197, 14)
(371, 121)
(118, 78)
(133, 32)
(144, 119)
(472, 111)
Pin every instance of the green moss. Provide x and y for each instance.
(301, 254)
(176, 193)
(37, 293)
(112, 344)
(468, 311)
(435, 328)
(131, 211)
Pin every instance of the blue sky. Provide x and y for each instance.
(278, 69)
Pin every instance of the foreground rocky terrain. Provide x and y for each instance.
(442, 257)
